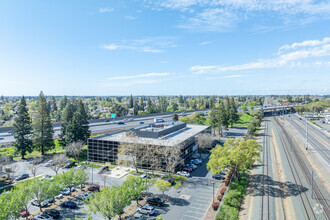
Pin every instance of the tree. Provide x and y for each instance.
(80, 177)
(162, 185)
(68, 179)
(204, 141)
(43, 129)
(238, 154)
(75, 149)
(109, 202)
(40, 190)
(66, 119)
(159, 217)
(175, 117)
(233, 115)
(136, 185)
(22, 196)
(58, 161)
(131, 101)
(23, 130)
(6, 203)
(33, 168)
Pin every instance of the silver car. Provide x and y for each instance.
(146, 210)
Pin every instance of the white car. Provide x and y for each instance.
(183, 173)
(43, 217)
(146, 210)
(60, 196)
(192, 165)
(49, 163)
(66, 191)
(50, 178)
(131, 119)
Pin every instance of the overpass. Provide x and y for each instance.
(278, 109)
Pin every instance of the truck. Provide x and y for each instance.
(158, 120)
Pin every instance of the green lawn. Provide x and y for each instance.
(244, 120)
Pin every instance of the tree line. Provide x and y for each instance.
(36, 132)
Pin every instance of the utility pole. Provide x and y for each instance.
(306, 134)
(213, 194)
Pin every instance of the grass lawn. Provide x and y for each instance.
(244, 120)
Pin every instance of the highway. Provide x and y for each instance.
(317, 140)
(101, 125)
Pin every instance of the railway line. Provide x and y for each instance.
(265, 207)
(313, 209)
(317, 140)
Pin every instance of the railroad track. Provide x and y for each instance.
(265, 209)
(307, 204)
(320, 148)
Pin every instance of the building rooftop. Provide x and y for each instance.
(170, 139)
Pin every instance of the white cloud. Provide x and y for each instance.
(223, 15)
(130, 83)
(205, 43)
(290, 59)
(234, 76)
(148, 45)
(129, 17)
(138, 76)
(307, 43)
(105, 10)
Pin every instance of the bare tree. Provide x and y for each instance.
(171, 156)
(33, 168)
(58, 161)
(75, 149)
(130, 151)
(11, 170)
(204, 141)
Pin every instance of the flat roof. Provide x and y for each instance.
(172, 139)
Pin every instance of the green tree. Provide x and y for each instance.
(162, 185)
(43, 129)
(238, 154)
(110, 202)
(23, 130)
(40, 190)
(80, 177)
(6, 203)
(136, 185)
(233, 115)
(131, 101)
(175, 117)
(159, 217)
(68, 179)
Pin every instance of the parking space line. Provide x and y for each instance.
(199, 208)
(198, 213)
(190, 216)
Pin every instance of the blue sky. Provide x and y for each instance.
(150, 47)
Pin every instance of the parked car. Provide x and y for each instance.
(60, 196)
(66, 191)
(141, 122)
(94, 187)
(82, 196)
(69, 204)
(50, 178)
(52, 212)
(49, 163)
(144, 176)
(131, 119)
(42, 204)
(155, 200)
(193, 166)
(107, 120)
(171, 181)
(218, 177)
(196, 161)
(51, 200)
(183, 173)
(215, 143)
(121, 123)
(222, 173)
(146, 210)
(187, 169)
(69, 164)
(103, 169)
(43, 217)
(22, 177)
(24, 214)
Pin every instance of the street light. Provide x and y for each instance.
(213, 193)
(92, 171)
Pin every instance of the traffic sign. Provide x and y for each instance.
(113, 115)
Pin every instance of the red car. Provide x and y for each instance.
(187, 169)
(24, 214)
(94, 187)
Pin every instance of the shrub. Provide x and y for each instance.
(223, 190)
(220, 197)
(216, 205)
(227, 182)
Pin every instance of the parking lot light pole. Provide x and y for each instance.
(92, 171)
(213, 193)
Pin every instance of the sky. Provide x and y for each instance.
(169, 47)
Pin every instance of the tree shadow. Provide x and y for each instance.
(272, 188)
(173, 201)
